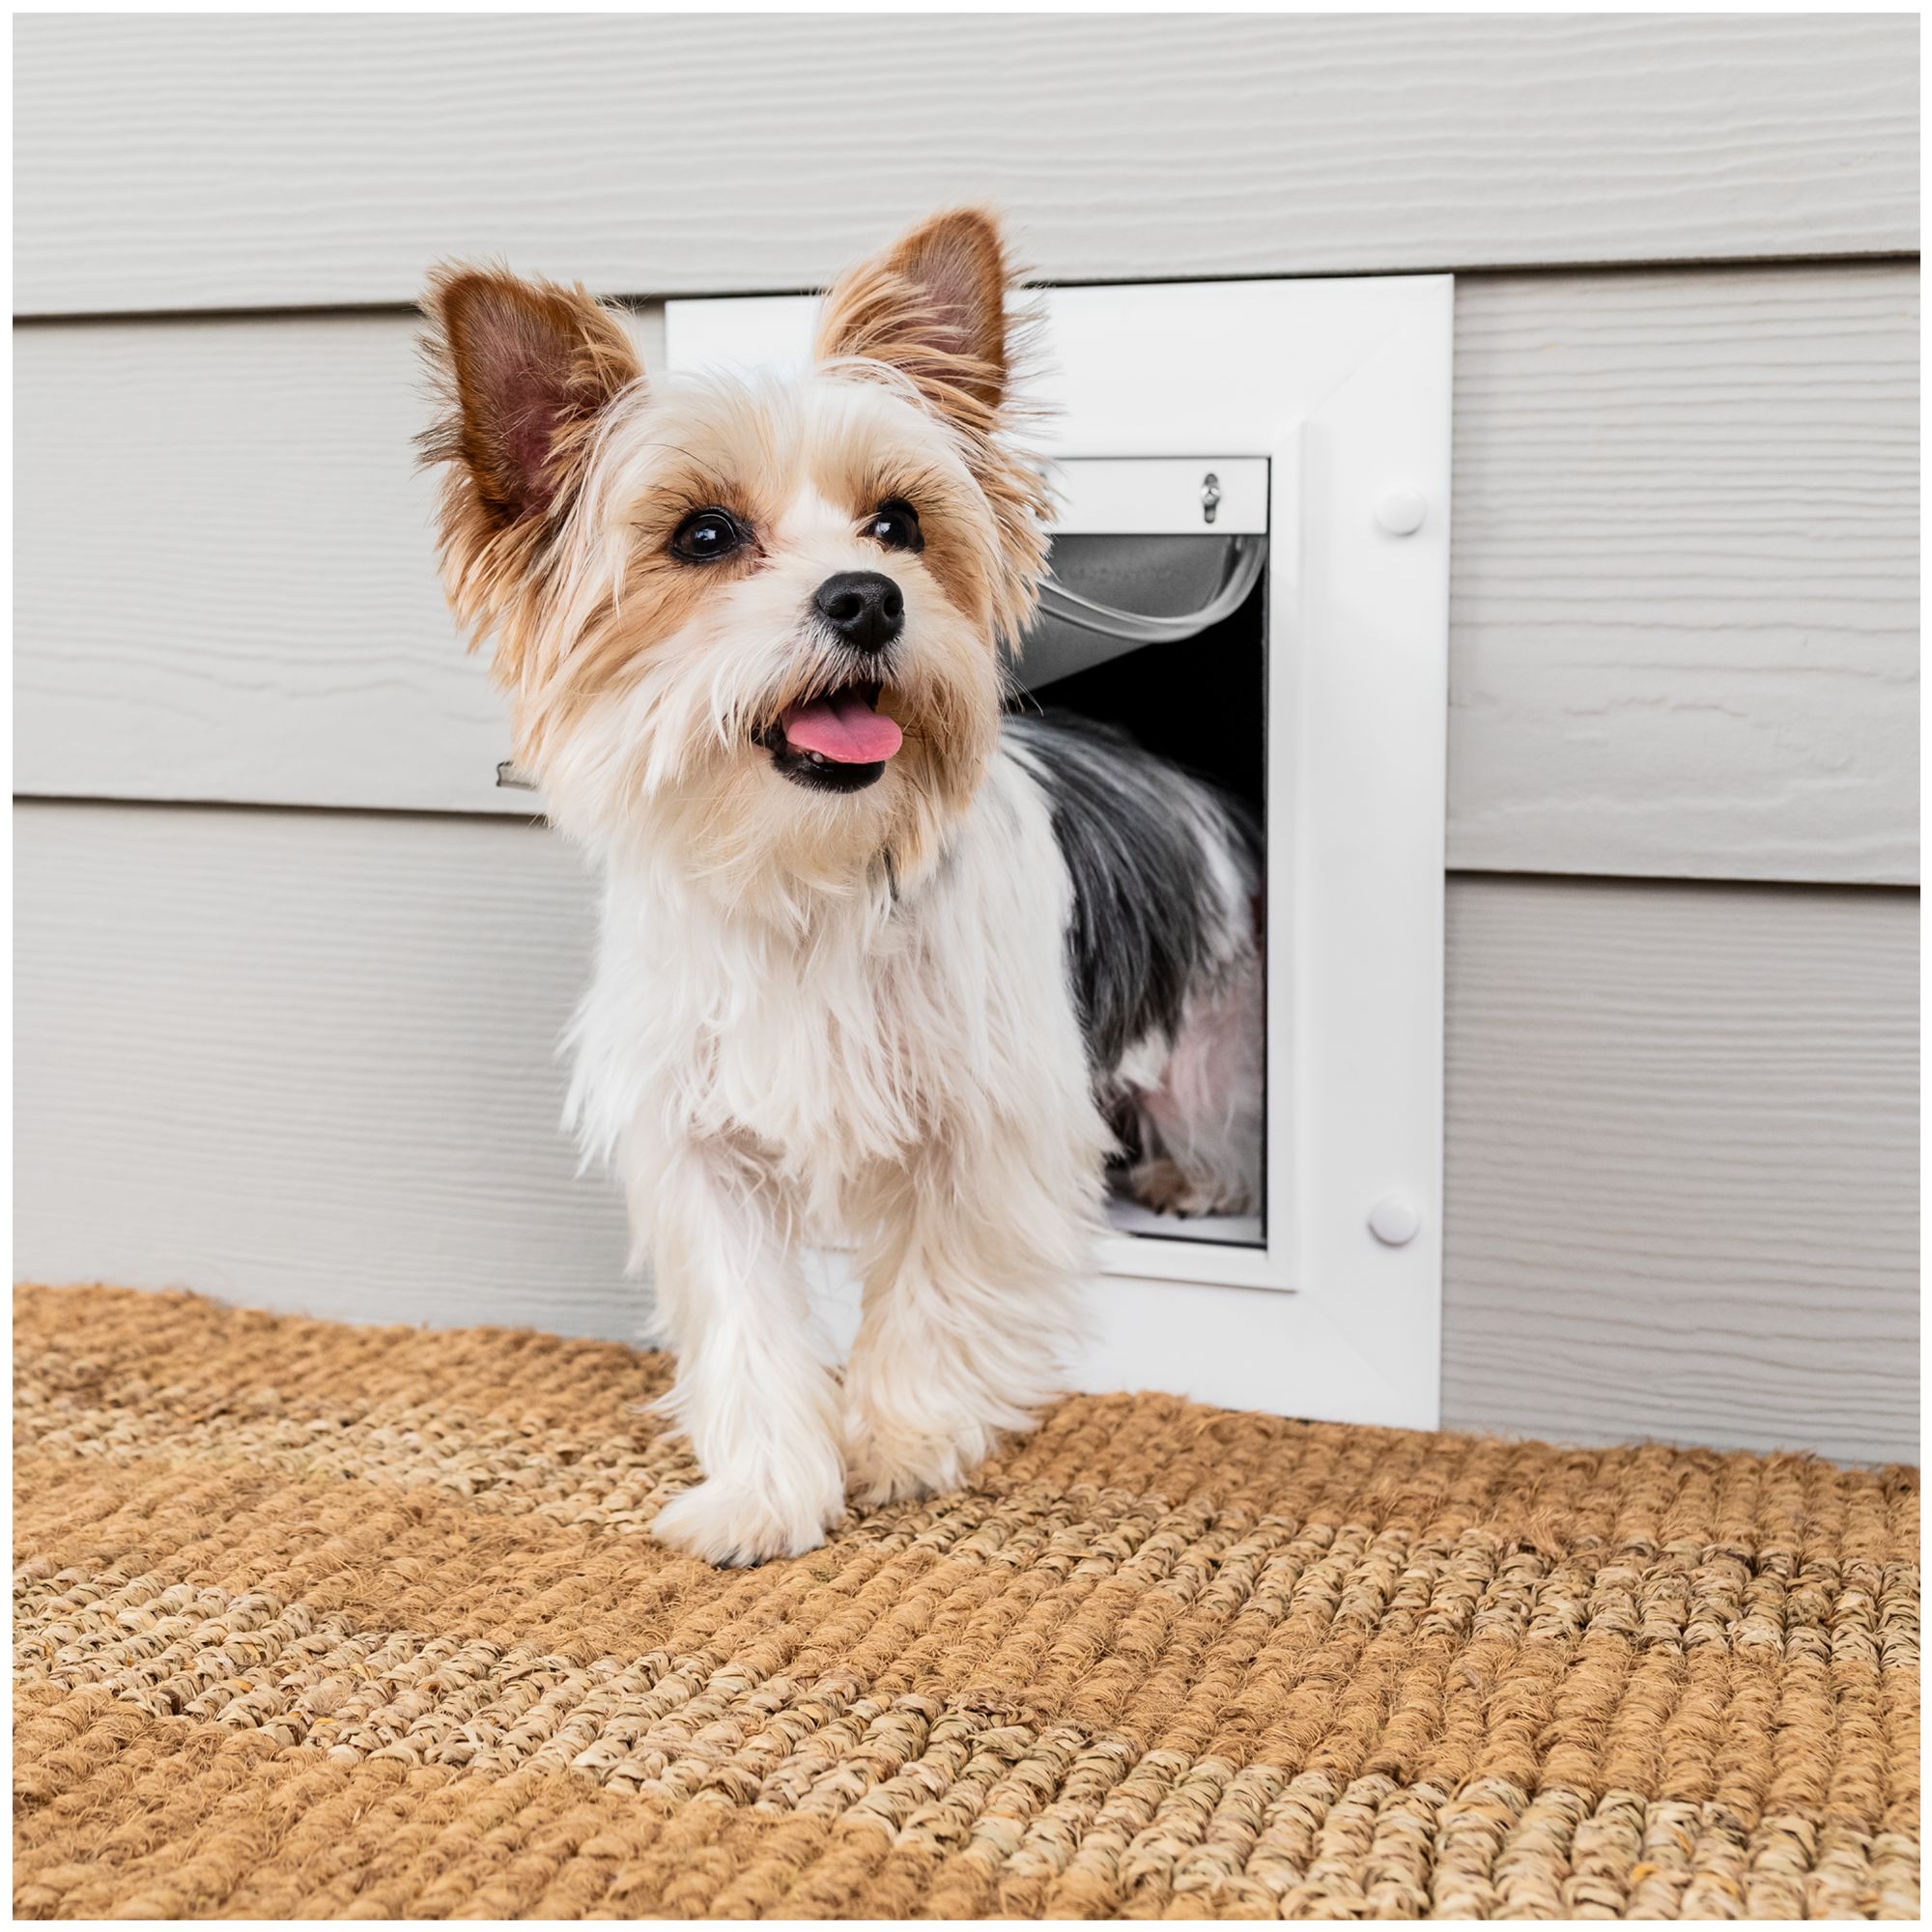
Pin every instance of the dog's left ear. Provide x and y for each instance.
(933, 305)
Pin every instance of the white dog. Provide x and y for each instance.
(879, 965)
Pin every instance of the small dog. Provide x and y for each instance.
(879, 965)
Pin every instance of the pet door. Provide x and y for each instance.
(1250, 574)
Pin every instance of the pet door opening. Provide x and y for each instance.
(1164, 635)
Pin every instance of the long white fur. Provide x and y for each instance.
(910, 1070)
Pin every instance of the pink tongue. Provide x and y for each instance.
(842, 728)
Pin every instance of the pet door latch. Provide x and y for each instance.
(1211, 497)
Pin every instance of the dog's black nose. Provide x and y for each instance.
(865, 608)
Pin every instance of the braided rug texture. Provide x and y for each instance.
(318, 1621)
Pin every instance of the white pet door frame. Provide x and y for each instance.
(1323, 408)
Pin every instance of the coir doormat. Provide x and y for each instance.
(318, 1621)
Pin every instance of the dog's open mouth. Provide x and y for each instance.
(837, 741)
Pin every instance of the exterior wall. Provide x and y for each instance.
(1684, 630)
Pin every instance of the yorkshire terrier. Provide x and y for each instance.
(881, 966)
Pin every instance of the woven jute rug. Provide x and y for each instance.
(318, 1621)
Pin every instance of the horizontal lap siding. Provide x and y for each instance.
(1684, 611)
(1684, 594)
(1682, 1163)
(307, 1060)
(235, 162)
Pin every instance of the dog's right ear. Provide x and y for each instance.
(524, 370)
(528, 366)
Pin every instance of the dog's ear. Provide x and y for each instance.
(525, 369)
(933, 305)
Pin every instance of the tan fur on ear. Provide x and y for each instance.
(523, 370)
(932, 308)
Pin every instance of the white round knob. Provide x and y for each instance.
(1401, 510)
(1395, 1220)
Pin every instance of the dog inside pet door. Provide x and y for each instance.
(1250, 574)
(1163, 633)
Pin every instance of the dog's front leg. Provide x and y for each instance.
(970, 1301)
(753, 1391)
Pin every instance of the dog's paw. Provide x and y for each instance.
(732, 1524)
(889, 1465)
(1169, 1189)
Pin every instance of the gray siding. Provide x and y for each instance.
(250, 163)
(1682, 1164)
(303, 1058)
(1684, 619)
(306, 1061)
(1684, 601)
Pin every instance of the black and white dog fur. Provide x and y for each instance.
(879, 966)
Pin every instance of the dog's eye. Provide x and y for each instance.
(895, 525)
(705, 535)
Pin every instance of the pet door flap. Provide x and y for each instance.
(1108, 595)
